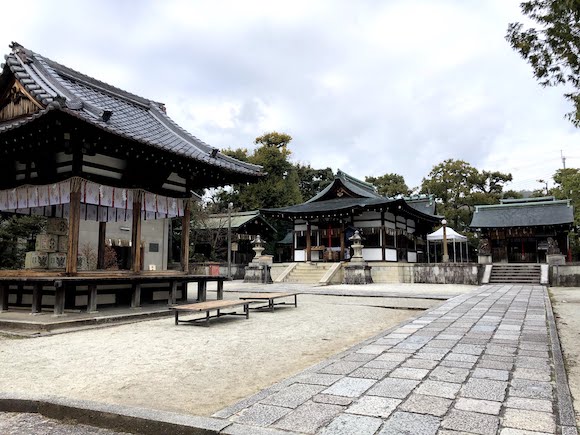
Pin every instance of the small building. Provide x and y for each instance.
(393, 229)
(245, 226)
(524, 230)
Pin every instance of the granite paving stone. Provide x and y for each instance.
(392, 387)
(374, 406)
(262, 415)
(341, 367)
(417, 363)
(408, 373)
(309, 417)
(422, 404)
(317, 378)
(471, 422)
(349, 387)
(332, 400)
(529, 420)
(544, 375)
(481, 363)
(485, 389)
(346, 424)
(293, 396)
(440, 389)
(449, 374)
(477, 405)
(529, 404)
(485, 373)
(410, 423)
(530, 389)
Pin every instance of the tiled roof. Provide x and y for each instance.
(239, 219)
(523, 214)
(56, 86)
(357, 187)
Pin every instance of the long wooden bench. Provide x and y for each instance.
(206, 307)
(270, 297)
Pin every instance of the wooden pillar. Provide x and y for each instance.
(92, 302)
(101, 245)
(342, 244)
(220, 289)
(308, 243)
(36, 298)
(201, 290)
(136, 296)
(172, 300)
(185, 227)
(73, 226)
(383, 236)
(136, 232)
(59, 297)
(4, 292)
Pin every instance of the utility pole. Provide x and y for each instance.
(544, 181)
(563, 160)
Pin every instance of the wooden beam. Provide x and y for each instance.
(59, 297)
(92, 300)
(185, 228)
(136, 232)
(73, 226)
(37, 298)
(101, 245)
(136, 296)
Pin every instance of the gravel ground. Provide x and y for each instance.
(194, 370)
(566, 304)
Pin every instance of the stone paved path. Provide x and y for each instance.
(485, 362)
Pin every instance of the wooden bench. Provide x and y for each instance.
(270, 298)
(211, 306)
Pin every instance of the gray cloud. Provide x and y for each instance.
(368, 87)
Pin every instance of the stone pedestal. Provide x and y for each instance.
(556, 259)
(484, 259)
(258, 273)
(357, 274)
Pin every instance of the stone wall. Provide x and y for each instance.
(451, 273)
(565, 276)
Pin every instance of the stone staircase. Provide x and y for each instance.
(515, 273)
(308, 273)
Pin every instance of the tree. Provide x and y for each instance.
(568, 187)
(312, 181)
(389, 184)
(553, 48)
(458, 187)
(279, 188)
(17, 236)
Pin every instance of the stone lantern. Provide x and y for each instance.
(357, 271)
(357, 247)
(258, 271)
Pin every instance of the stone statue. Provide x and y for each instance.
(484, 247)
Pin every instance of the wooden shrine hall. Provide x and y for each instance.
(393, 229)
(72, 148)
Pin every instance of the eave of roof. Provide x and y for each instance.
(56, 86)
(548, 213)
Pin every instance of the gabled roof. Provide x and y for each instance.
(57, 87)
(346, 185)
(423, 203)
(239, 220)
(523, 213)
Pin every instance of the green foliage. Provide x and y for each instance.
(458, 187)
(389, 184)
(553, 48)
(568, 187)
(312, 181)
(279, 188)
(17, 236)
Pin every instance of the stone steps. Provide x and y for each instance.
(515, 273)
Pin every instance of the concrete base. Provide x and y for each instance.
(357, 274)
(258, 273)
(556, 259)
(484, 259)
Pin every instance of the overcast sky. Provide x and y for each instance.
(369, 87)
